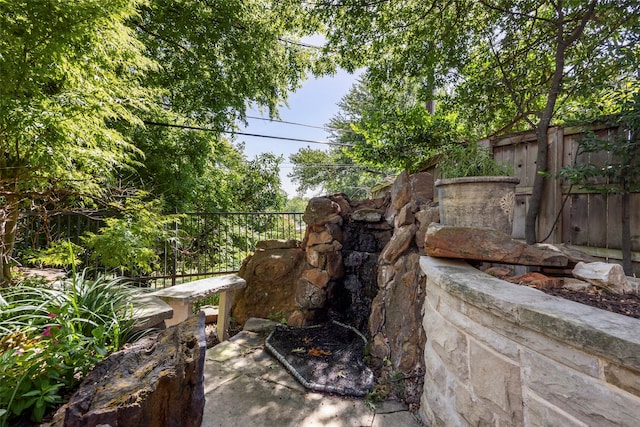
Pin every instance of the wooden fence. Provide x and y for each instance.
(589, 221)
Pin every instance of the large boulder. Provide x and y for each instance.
(322, 210)
(272, 274)
(609, 277)
(488, 244)
(157, 381)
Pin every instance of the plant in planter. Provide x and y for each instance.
(475, 190)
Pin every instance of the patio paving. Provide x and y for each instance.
(245, 386)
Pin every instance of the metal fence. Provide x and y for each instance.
(201, 244)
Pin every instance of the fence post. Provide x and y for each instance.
(174, 250)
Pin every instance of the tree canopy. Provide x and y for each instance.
(499, 66)
(91, 81)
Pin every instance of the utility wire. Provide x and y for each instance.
(284, 138)
(292, 123)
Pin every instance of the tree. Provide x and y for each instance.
(91, 82)
(332, 171)
(505, 65)
(74, 70)
(380, 131)
(213, 64)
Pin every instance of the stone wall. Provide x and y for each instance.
(357, 264)
(502, 354)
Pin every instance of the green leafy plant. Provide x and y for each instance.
(128, 242)
(61, 253)
(52, 335)
(459, 161)
(278, 317)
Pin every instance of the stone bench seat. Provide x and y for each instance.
(181, 298)
(150, 312)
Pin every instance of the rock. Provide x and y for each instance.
(366, 215)
(400, 241)
(335, 230)
(381, 188)
(319, 238)
(406, 216)
(574, 284)
(313, 257)
(537, 280)
(379, 348)
(321, 210)
(317, 277)
(398, 313)
(421, 187)
(400, 191)
(385, 275)
(573, 255)
(499, 272)
(343, 201)
(296, 319)
(333, 264)
(609, 277)
(328, 247)
(271, 277)
(425, 216)
(259, 326)
(277, 244)
(487, 244)
(210, 313)
(157, 381)
(308, 296)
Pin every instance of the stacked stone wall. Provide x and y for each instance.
(502, 354)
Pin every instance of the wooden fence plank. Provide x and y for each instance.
(597, 234)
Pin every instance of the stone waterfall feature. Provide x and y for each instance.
(358, 264)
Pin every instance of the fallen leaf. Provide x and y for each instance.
(318, 352)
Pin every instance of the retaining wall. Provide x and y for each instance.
(499, 354)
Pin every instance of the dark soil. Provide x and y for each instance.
(327, 358)
(625, 304)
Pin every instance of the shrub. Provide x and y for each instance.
(52, 335)
(461, 161)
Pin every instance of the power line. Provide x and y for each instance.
(283, 138)
(292, 123)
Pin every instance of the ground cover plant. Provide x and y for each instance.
(52, 335)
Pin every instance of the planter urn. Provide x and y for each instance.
(478, 201)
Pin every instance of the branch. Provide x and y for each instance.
(513, 13)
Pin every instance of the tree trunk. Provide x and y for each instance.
(8, 230)
(535, 202)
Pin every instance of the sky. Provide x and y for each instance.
(315, 103)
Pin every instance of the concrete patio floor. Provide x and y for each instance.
(245, 386)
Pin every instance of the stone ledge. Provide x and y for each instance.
(606, 334)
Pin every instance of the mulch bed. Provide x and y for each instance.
(327, 358)
(625, 304)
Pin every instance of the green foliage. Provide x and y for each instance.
(129, 241)
(499, 67)
(615, 165)
(217, 59)
(75, 70)
(401, 138)
(296, 204)
(52, 336)
(332, 171)
(91, 80)
(459, 161)
(61, 253)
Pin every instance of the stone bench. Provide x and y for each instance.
(150, 312)
(181, 298)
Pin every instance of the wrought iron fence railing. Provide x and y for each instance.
(201, 244)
